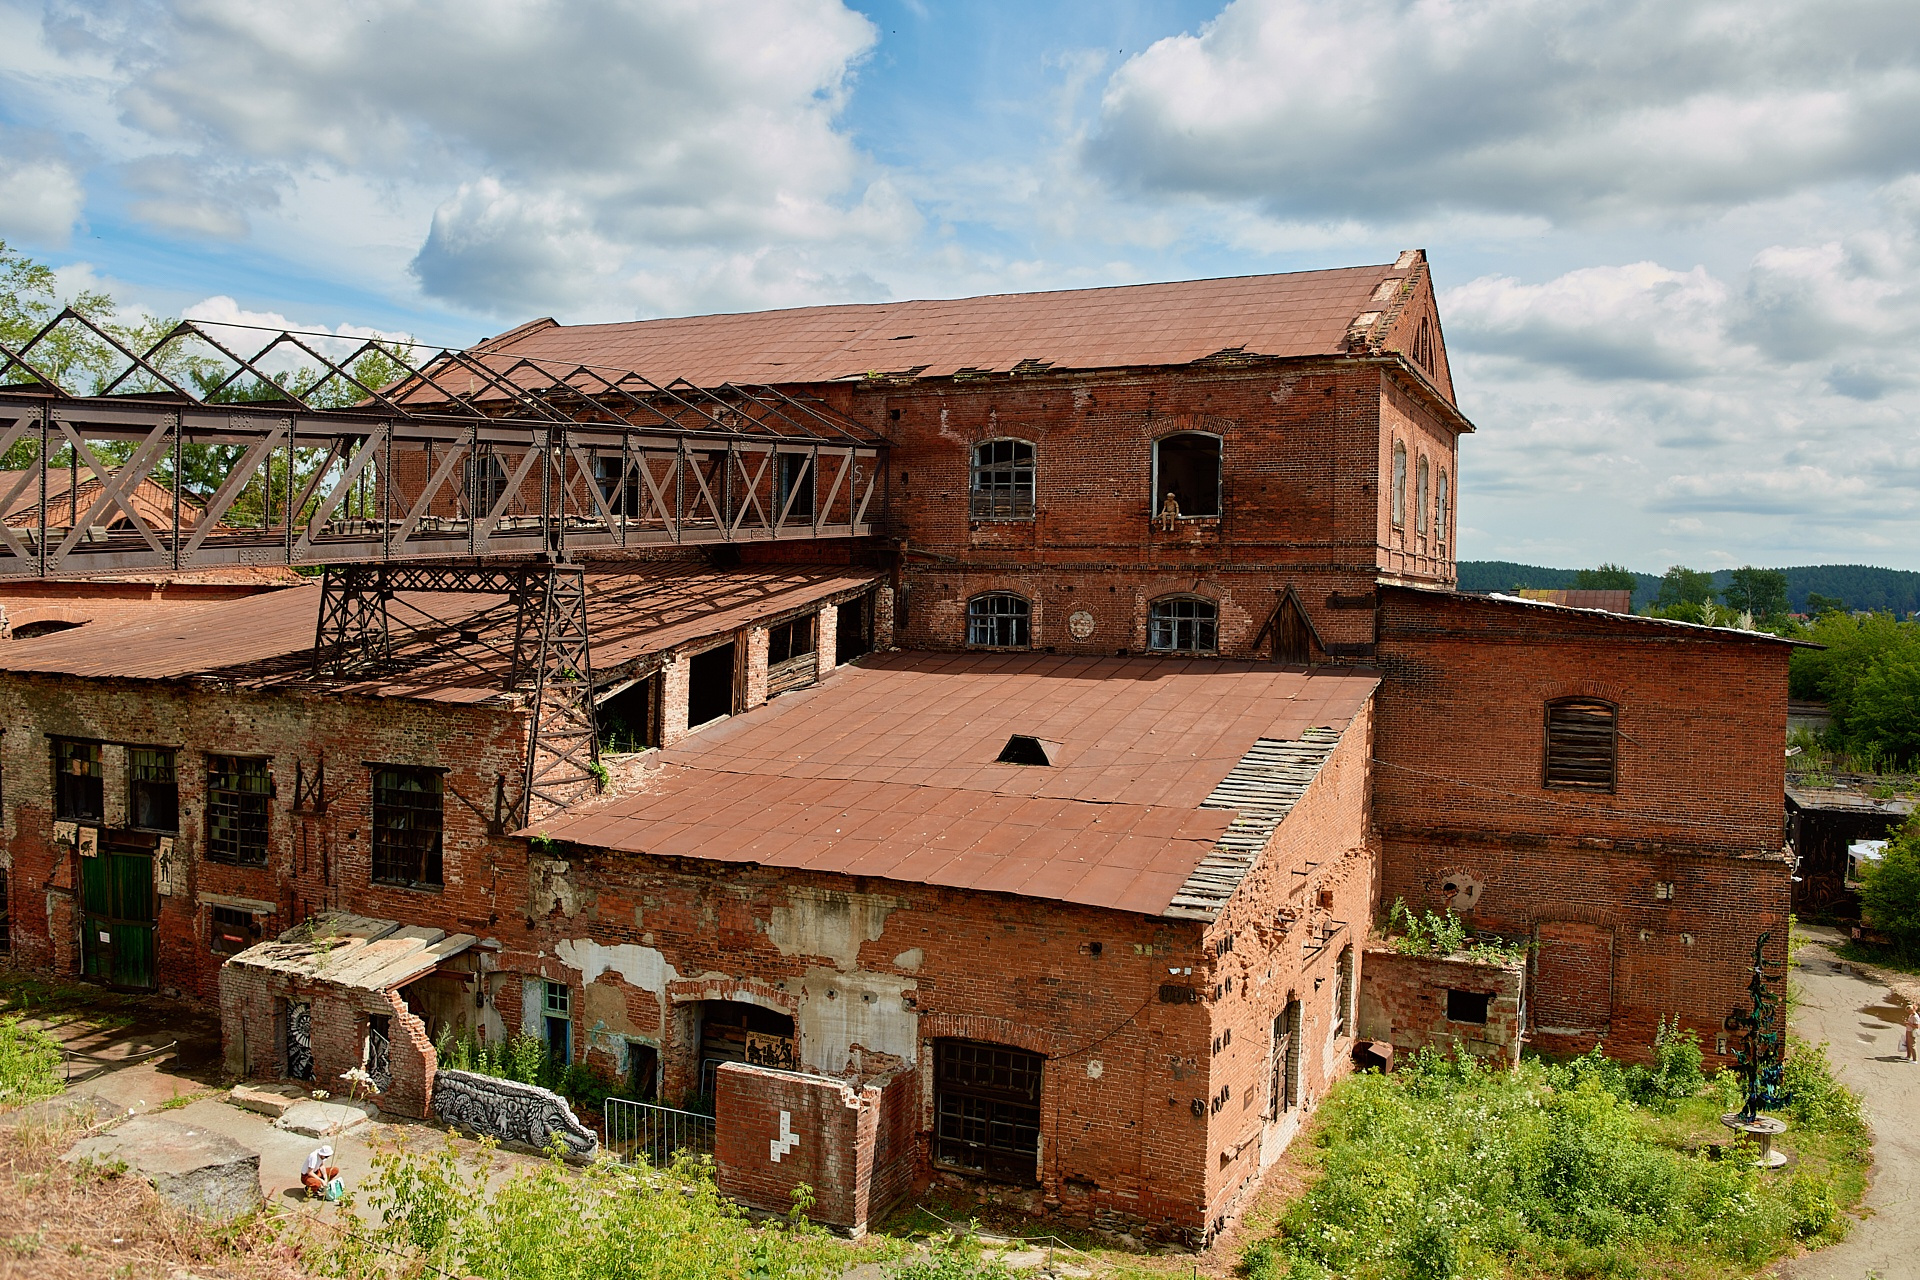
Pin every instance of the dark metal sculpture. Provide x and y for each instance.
(1758, 1037)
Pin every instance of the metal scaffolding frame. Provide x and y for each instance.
(309, 460)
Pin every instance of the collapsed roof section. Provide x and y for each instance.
(1163, 777)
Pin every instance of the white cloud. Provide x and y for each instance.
(40, 198)
(1572, 109)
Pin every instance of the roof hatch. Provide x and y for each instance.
(1022, 749)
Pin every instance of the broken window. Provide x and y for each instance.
(153, 794)
(77, 792)
(1399, 485)
(986, 1101)
(793, 660)
(1343, 996)
(1186, 467)
(1420, 495)
(1581, 744)
(795, 485)
(853, 629)
(1003, 481)
(238, 788)
(406, 826)
(1468, 1006)
(710, 684)
(231, 931)
(999, 621)
(1182, 624)
(556, 1010)
(1285, 1086)
(630, 719)
(1440, 509)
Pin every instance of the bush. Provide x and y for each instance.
(1890, 891)
(29, 1063)
(1814, 1099)
(524, 1058)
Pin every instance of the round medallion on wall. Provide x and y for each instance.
(1080, 624)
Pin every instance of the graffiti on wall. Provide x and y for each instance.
(512, 1112)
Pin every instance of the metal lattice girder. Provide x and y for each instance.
(457, 454)
(551, 659)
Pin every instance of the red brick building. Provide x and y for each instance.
(1066, 888)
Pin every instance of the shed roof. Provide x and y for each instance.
(355, 951)
(888, 769)
(1301, 313)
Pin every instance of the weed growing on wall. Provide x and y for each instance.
(29, 1063)
(1448, 1170)
(1434, 933)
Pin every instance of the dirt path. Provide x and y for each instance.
(1859, 1019)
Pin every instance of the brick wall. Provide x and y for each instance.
(1403, 1001)
(1468, 823)
(775, 1130)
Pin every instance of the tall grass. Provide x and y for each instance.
(29, 1063)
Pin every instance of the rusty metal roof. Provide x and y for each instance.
(888, 769)
(266, 640)
(1302, 313)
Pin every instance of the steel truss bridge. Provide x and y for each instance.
(406, 467)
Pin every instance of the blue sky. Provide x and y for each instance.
(1678, 243)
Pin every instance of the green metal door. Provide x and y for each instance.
(116, 902)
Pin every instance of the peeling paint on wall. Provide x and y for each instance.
(840, 1010)
(829, 923)
(642, 967)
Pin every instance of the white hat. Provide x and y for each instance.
(325, 1152)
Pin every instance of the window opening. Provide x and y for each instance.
(238, 788)
(999, 621)
(407, 818)
(710, 685)
(734, 1031)
(1468, 1006)
(45, 627)
(796, 479)
(78, 792)
(1581, 744)
(1440, 509)
(986, 1102)
(1420, 496)
(152, 790)
(643, 1071)
(853, 629)
(1343, 1008)
(1003, 480)
(231, 931)
(486, 482)
(1182, 625)
(630, 719)
(621, 494)
(376, 1056)
(1187, 468)
(793, 659)
(1285, 1086)
(1399, 485)
(556, 1007)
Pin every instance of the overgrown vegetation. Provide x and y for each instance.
(1890, 892)
(1585, 1168)
(525, 1058)
(29, 1063)
(1432, 933)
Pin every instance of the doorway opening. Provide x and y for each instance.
(733, 1031)
(710, 685)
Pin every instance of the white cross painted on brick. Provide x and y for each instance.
(787, 1140)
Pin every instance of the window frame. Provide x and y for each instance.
(1422, 492)
(984, 502)
(1484, 1000)
(1440, 508)
(1023, 620)
(1398, 512)
(243, 796)
(1554, 773)
(997, 1091)
(794, 473)
(248, 932)
(135, 785)
(62, 810)
(1212, 623)
(427, 857)
(1156, 494)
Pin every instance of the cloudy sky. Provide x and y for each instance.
(1678, 243)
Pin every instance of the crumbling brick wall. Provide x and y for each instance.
(1403, 1002)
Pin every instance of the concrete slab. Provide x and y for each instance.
(82, 1109)
(205, 1173)
(325, 1119)
(269, 1100)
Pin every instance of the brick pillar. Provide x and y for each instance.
(755, 684)
(413, 1060)
(673, 700)
(828, 637)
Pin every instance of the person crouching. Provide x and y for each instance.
(320, 1176)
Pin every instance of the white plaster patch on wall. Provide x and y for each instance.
(829, 923)
(642, 967)
(840, 1010)
(787, 1140)
(911, 959)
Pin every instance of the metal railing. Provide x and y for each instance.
(643, 1131)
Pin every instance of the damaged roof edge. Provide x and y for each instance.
(1502, 599)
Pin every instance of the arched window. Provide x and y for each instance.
(1440, 509)
(1188, 467)
(1182, 624)
(999, 621)
(1002, 481)
(1582, 744)
(1420, 495)
(1399, 485)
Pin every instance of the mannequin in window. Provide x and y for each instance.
(1169, 513)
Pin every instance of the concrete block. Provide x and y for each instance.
(325, 1119)
(204, 1173)
(81, 1110)
(267, 1100)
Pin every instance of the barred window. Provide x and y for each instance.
(986, 1103)
(1182, 625)
(406, 827)
(153, 794)
(1582, 744)
(77, 790)
(1003, 480)
(999, 621)
(238, 788)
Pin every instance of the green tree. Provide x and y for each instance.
(1608, 577)
(1884, 711)
(1681, 585)
(1760, 592)
(1818, 604)
(1890, 891)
